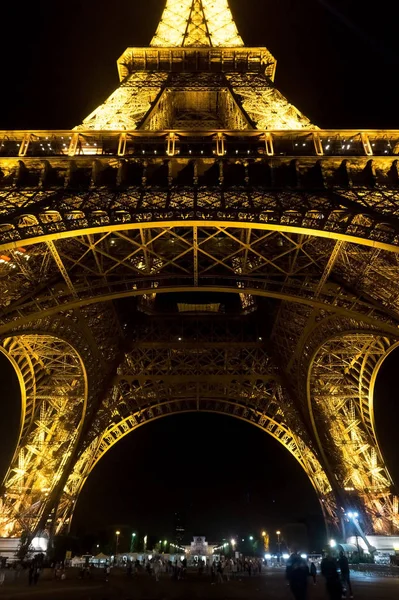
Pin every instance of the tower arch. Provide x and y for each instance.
(198, 175)
(341, 382)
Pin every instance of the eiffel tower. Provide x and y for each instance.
(198, 245)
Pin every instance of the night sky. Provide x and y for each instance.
(338, 63)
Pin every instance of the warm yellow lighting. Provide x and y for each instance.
(197, 23)
(278, 532)
(117, 532)
(263, 533)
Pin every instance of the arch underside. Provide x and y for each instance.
(54, 397)
(341, 395)
(272, 426)
(316, 284)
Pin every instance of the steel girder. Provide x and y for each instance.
(61, 364)
(193, 191)
(54, 407)
(80, 270)
(209, 364)
(340, 396)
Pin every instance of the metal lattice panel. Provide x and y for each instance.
(197, 23)
(197, 175)
(51, 427)
(201, 364)
(339, 378)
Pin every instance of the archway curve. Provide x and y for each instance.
(149, 257)
(364, 313)
(372, 383)
(25, 375)
(292, 442)
(54, 396)
(342, 395)
(149, 221)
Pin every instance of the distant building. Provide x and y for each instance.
(199, 549)
(179, 528)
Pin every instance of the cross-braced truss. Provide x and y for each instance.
(54, 408)
(210, 364)
(197, 23)
(339, 397)
(197, 175)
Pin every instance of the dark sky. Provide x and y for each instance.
(338, 62)
(337, 59)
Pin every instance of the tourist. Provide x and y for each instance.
(107, 572)
(219, 570)
(234, 569)
(156, 569)
(179, 569)
(297, 573)
(228, 569)
(343, 564)
(31, 573)
(313, 572)
(329, 570)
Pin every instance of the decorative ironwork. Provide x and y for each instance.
(197, 175)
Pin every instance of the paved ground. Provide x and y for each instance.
(271, 585)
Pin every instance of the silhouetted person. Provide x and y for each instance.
(313, 572)
(297, 573)
(345, 574)
(329, 569)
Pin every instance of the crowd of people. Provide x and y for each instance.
(335, 571)
(223, 570)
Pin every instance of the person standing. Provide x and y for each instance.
(156, 569)
(297, 573)
(228, 569)
(31, 573)
(235, 569)
(313, 572)
(220, 572)
(343, 564)
(329, 570)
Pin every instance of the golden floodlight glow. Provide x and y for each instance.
(197, 23)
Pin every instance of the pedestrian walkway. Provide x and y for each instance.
(270, 585)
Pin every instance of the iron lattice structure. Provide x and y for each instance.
(197, 245)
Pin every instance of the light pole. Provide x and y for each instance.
(132, 542)
(354, 517)
(233, 545)
(117, 533)
(278, 533)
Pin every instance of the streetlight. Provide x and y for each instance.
(278, 533)
(332, 544)
(251, 538)
(233, 544)
(354, 517)
(132, 542)
(117, 533)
